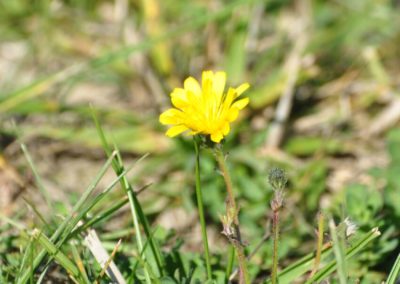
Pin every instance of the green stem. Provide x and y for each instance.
(275, 232)
(228, 182)
(243, 274)
(394, 272)
(231, 260)
(231, 206)
(201, 210)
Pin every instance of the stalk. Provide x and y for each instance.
(277, 179)
(200, 207)
(275, 234)
(230, 220)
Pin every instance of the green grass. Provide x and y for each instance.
(85, 81)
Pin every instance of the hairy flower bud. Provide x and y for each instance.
(277, 179)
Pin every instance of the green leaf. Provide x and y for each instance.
(393, 276)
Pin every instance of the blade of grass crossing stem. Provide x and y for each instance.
(38, 259)
(38, 180)
(338, 250)
(150, 256)
(331, 267)
(37, 88)
(394, 273)
(118, 167)
(140, 259)
(61, 258)
(102, 216)
(79, 210)
(136, 225)
(87, 207)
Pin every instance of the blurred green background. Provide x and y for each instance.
(333, 64)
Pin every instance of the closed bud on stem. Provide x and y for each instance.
(277, 179)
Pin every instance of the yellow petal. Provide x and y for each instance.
(241, 89)
(216, 137)
(219, 83)
(179, 98)
(240, 104)
(192, 85)
(230, 96)
(226, 128)
(206, 76)
(233, 114)
(175, 130)
(171, 116)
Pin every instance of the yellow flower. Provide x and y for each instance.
(204, 110)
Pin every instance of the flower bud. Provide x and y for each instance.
(277, 179)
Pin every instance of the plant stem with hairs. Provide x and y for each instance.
(230, 221)
(275, 234)
(277, 179)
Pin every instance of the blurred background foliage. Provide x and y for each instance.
(338, 59)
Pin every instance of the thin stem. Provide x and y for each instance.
(231, 260)
(201, 210)
(231, 208)
(228, 182)
(134, 212)
(275, 233)
(319, 243)
(243, 274)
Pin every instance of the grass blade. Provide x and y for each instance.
(394, 273)
(331, 267)
(106, 214)
(38, 259)
(28, 257)
(51, 249)
(297, 269)
(38, 179)
(74, 221)
(80, 265)
(137, 211)
(338, 250)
